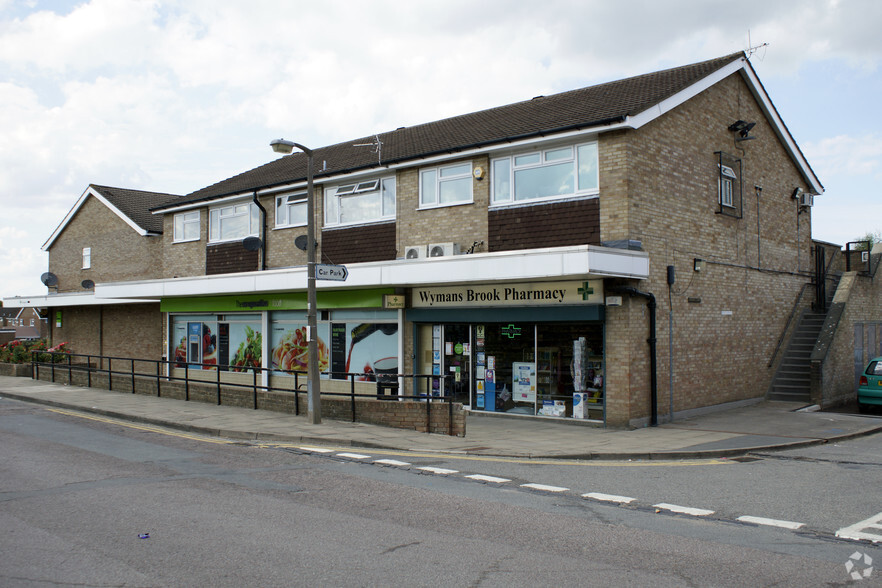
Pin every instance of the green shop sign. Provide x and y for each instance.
(371, 298)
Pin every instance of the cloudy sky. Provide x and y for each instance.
(174, 96)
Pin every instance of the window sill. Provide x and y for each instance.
(448, 205)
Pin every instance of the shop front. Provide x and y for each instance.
(523, 348)
(356, 335)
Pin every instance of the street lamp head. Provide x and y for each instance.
(282, 146)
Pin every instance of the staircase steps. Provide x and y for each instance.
(792, 381)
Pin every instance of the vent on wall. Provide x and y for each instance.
(443, 249)
(414, 251)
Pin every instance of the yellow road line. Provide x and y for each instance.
(412, 454)
(149, 428)
(517, 460)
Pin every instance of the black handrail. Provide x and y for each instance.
(389, 383)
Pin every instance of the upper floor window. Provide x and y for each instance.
(361, 202)
(187, 226)
(231, 223)
(442, 186)
(87, 257)
(727, 181)
(291, 210)
(550, 173)
(729, 185)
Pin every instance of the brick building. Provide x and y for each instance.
(108, 235)
(521, 251)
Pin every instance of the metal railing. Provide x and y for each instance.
(151, 370)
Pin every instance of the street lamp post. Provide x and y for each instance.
(313, 392)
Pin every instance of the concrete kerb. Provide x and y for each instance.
(410, 444)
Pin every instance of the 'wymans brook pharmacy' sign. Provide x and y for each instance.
(519, 294)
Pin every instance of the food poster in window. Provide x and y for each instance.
(209, 346)
(372, 351)
(244, 345)
(290, 347)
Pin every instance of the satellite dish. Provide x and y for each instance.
(49, 279)
(251, 243)
(301, 242)
(87, 284)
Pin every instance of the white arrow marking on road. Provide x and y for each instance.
(770, 522)
(544, 487)
(858, 532)
(609, 497)
(696, 512)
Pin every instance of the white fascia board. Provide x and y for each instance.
(74, 299)
(685, 94)
(90, 191)
(781, 130)
(208, 203)
(582, 261)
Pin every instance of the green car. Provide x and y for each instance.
(870, 387)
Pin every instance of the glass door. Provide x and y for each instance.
(456, 351)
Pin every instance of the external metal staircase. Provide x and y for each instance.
(792, 381)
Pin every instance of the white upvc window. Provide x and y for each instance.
(232, 223)
(187, 226)
(546, 174)
(727, 181)
(291, 210)
(87, 257)
(361, 202)
(446, 185)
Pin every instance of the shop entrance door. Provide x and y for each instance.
(457, 362)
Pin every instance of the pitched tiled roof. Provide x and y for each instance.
(136, 204)
(585, 108)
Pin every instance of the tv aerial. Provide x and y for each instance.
(377, 145)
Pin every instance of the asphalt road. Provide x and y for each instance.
(77, 493)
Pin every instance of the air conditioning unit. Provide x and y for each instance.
(806, 199)
(414, 251)
(443, 249)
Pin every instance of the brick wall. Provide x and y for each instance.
(576, 222)
(659, 186)
(123, 330)
(373, 242)
(118, 253)
(463, 224)
(226, 258)
(397, 414)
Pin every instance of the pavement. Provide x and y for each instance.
(762, 426)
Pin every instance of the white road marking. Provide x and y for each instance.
(696, 512)
(353, 455)
(609, 497)
(438, 470)
(392, 462)
(483, 478)
(858, 531)
(317, 449)
(544, 487)
(770, 522)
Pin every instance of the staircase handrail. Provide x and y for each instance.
(787, 324)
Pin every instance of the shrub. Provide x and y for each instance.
(18, 351)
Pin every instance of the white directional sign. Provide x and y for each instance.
(326, 271)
